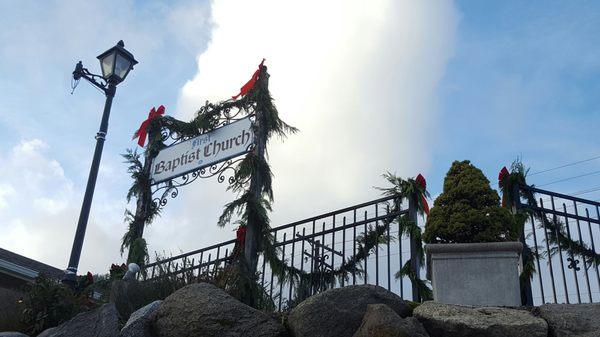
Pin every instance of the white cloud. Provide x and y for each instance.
(43, 182)
(40, 209)
(6, 190)
(357, 79)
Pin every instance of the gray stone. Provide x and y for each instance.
(381, 321)
(202, 309)
(573, 320)
(140, 328)
(132, 270)
(102, 322)
(138, 324)
(143, 313)
(47, 333)
(477, 274)
(339, 312)
(12, 334)
(127, 295)
(442, 320)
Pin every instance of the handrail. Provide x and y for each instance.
(562, 196)
(342, 210)
(276, 229)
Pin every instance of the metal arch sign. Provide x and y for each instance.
(221, 144)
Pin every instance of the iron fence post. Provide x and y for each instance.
(415, 262)
(527, 295)
(254, 229)
(144, 201)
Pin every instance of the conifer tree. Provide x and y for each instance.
(468, 210)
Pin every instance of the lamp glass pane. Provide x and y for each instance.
(108, 63)
(122, 66)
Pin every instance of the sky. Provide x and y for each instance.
(400, 86)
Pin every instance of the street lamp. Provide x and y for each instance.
(116, 64)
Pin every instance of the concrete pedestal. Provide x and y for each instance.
(478, 274)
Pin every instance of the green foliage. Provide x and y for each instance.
(11, 310)
(230, 277)
(248, 207)
(424, 290)
(236, 280)
(48, 303)
(138, 252)
(306, 283)
(555, 229)
(140, 189)
(409, 189)
(468, 210)
(117, 272)
(406, 189)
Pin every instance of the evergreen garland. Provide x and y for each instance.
(555, 229)
(140, 189)
(250, 207)
(410, 190)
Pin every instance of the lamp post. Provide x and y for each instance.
(116, 64)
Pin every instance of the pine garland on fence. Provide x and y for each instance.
(556, 230)
(411, 189)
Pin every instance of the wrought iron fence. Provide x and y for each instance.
(322, 242)
(561, 275)
(318, 243)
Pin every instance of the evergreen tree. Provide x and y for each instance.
(468, 210)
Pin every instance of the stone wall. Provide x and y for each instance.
(354, 311)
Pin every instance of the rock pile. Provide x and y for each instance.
(354, 311)
(339, 312)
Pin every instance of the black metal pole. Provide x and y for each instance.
(526, 256)
(71, 272)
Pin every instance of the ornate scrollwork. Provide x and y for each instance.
(221, 114)
(227, 115)
(573, 262)
(170, 189)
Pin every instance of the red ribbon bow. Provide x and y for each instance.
(501, 176)
(90, 277)
(142, 132)
(250, 84)
(241, 235)
(420, 180)
(503, 173)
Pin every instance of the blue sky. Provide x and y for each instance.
(403, 87)
(524, 83)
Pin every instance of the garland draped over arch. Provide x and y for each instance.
(252, 185)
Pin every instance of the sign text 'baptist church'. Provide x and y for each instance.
(205, 150)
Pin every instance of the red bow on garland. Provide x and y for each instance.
(241, 235)
(142, 132)
(420, 180)
(250, 84)
(89, 277)
(501, 176)
(240, 241)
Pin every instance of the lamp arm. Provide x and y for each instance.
(80, 72)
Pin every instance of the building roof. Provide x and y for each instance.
(25, 268)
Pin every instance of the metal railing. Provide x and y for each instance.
(561, 276)
(320, 242)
